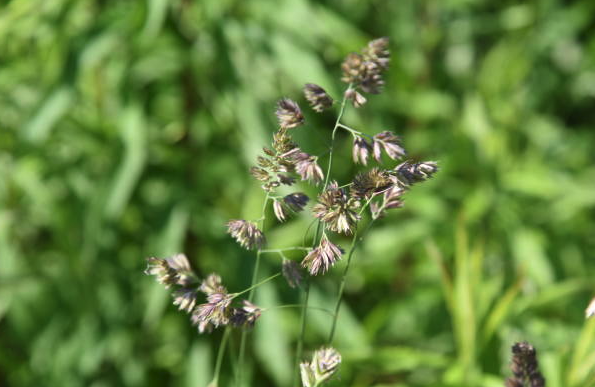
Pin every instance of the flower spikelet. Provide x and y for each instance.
(319, 260)
(525, 367)
(289, 114)
(377, 52)
(296, 201)
(391, 144)
(407, 174)
(291, 273)
(307, 167)
(171, 271)
(364, 71)
(216, 311)
(212, 284)
(317, 97)
(337, 210)
(361, 150)
(245, 316)
(185, 299)
(324, 364)
(246, 234)
(367, 184)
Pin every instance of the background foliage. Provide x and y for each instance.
(127, 129)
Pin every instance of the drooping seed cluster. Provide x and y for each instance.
(363, 71)
(339, 208)
(217, 310)
(323, 365)
(322, 258)
(277, 164)
(289, 204)
(246, 233)
(525, 367)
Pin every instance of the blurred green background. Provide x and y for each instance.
(127, 129)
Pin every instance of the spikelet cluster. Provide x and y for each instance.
(323, 365)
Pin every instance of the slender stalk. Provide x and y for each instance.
(299, 306)
(285, 249)
(300, 345)
(244, 334)
(337, 126)
(251, 288)
(220, 353)
(354, 244)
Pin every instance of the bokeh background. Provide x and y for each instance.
(127, 129)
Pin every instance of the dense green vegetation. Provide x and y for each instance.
(127, 129)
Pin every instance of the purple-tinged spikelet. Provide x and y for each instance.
(367, 184)
(317, 97)
(289, 114)
(185, 299)
(246, 234)
(361, 150)
(322, 258)
(292, 273)
(407, 174)
(307, 167)
(391, 144)
(337, 210)
(525, 368)
(175, 270)
(245, 316)
(216, 311)
(324, 364)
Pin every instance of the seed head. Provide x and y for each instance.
(319, 260)
(524, 366)
(307, 167)
(337, 210)
(317, 97)
(356, 98)
(391, 144)
(245, 316)
(289, 114)
(280, 210)
(364, 71)
(171, 271)
(296, 201)
(367, 184)
(361, 150)
(215, 312)
(407, 174)
(292, 273)
(185, 299)
(212, 284)
(324, 364)
(377, 52)
(246, 234)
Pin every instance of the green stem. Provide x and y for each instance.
(251, 288)
(220, 357)
(337, 125)
(244, 333)
(285, 249)
(354, 243)
(300, 345)
(299, 306)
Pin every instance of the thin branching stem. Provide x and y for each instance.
(285, 249)
(220, 353)
(244, 334)
(300, 344)
(354, 244)
(251, 288)
(300, 306)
